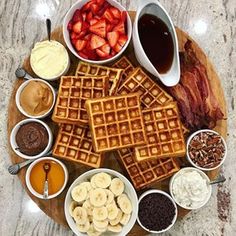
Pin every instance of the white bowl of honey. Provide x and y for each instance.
(57, 177)
(155, 42)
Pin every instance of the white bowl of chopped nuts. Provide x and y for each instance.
(206, 149)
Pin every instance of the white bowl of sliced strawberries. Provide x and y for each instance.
(97, 31)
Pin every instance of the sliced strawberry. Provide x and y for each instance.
(123, 16)
(80, 44)
(73, 41)
(87, 6)
(77, 16)
(88, 37)
(117, 47)
(77, 27)
(99, 28)
(89, 16)
(82, 54)
(96, 41)
(84, 16)
(73, 35)
(106, 48)
(100, 2)
(100, 53)
(113, 38)
(122, 40)
(90, 53)
(109, 27)
(115, 12)
(120, 28)
(93, 21)
(108, 15)
(103, 8)
(113, 52)
(70, 25)
(82, 34)
(85, 26)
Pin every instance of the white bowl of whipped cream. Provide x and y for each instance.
(190, 188)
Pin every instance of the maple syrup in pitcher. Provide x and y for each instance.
(156, 41)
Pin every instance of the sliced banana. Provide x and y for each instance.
(125, 219)
(110, 196)
(88, 207)
(80, 215)
(124, 203)
(100, 224)
(117, 219)
(100, 213)
(97, 197)
(101, 230)
(117, 186)
(83, 228)
(72, 206)
(102, 180)
(87, 185)
(92, 181)
(79, 193)
(114, 228)
(112, 210)
(92, 231)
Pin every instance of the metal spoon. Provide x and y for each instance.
(15, 168)
(48, 23)
(46, 167)
(220, 179)
(21, 73)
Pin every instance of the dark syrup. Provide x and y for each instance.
(156, 41)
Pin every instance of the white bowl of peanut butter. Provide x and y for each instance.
(35, 98)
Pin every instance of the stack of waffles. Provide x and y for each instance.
(121, 109)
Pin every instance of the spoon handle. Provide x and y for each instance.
(45, 190)
(48, 23)
(25, 163)
(221, 179)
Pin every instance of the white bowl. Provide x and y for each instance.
(172, 76)
(20, 108)
(189, 158)
(58, 75)
(27, 177)
(14, 145)
(66, 35)
(168, 196)
(129, 190)
(189, 169)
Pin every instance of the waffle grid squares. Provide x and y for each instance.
(72, 94)
(143, 174)
(116, 122)
(74, 143)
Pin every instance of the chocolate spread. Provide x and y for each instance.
(32, 138)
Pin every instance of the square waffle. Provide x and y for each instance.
(72, 94)
(116, 122)
(164, 133)
(151, 94)
(74, 143)
(113, 74)
(126, 65)
(143, 174)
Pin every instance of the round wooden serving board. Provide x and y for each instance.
(54, 208)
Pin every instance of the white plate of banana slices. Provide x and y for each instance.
(101, 202)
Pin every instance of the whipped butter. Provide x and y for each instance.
(190, 189)
(49, 59)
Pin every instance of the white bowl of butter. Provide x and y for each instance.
(49, 60)
(190, 188)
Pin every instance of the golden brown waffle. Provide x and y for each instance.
(151, 93)
(164, 134)
(113, 74)
(143, 174)
(126, 65)
(74, 143)
(72, 94)
(116, 122)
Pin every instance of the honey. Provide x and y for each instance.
(56, 177)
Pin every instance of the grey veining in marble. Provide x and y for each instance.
(211, 23)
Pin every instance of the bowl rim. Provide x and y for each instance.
(202, 174)
(28, 172)
(70, 46)
(19, 91)
(59, 75)
(169, 197)
(114, 173)
(187, 151)
(14, 132)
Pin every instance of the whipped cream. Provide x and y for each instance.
(190, 189)
(49, 59)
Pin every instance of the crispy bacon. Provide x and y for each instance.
(198, 106)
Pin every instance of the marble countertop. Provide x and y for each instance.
(211, 23)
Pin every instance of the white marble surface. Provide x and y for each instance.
(211, 23)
